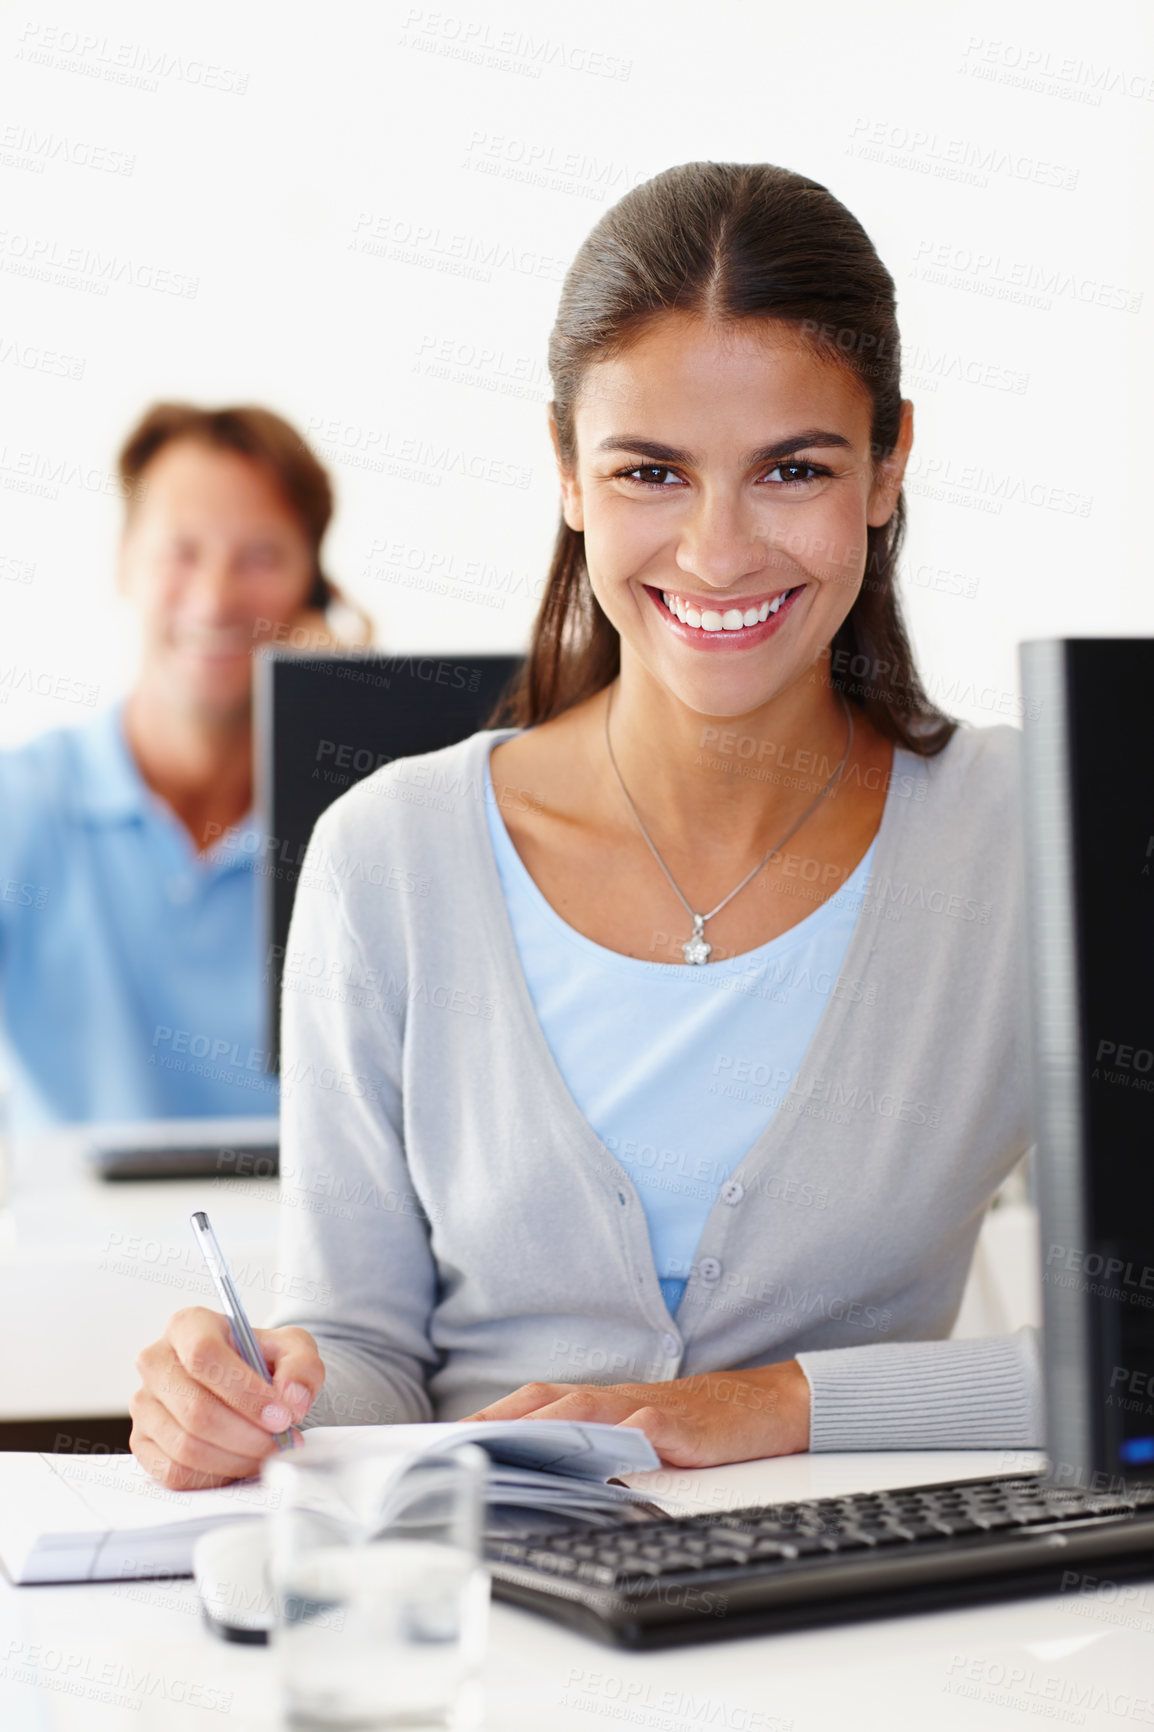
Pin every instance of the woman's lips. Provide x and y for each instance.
(743, 637)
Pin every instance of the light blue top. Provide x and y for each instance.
(677, 1068)
(130, 967)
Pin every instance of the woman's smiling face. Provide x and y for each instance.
(724, 473)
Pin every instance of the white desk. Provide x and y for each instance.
(93, 1271)
(1066, 1659)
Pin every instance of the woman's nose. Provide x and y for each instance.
(721, 542)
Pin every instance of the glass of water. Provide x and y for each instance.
(380, 1592)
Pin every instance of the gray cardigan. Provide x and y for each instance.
(453, 1227)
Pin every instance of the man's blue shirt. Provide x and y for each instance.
(131, 977)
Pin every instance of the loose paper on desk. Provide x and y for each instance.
(66, 1518)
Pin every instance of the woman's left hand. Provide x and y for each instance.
(703, 1421)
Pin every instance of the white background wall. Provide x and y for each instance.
(249, 154)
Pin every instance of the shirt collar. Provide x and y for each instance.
(110, 785)
(112, 790)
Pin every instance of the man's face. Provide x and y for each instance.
(214, 558)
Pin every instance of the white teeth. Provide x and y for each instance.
(710, 619)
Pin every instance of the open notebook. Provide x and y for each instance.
(100, 1518)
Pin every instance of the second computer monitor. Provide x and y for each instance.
(1088, 791)
(324, 722)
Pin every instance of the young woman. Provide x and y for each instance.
(670, 1081)
(132, 897)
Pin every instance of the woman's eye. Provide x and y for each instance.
(793, 464)
(651, 475)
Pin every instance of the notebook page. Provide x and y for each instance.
(64, 1509)
(579, 1450)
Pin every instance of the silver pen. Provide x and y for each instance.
(242, 1335)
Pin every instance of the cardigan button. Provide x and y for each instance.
(709, 1269)
(732, 1192)
(671, 1346)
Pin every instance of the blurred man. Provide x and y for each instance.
(131, 979)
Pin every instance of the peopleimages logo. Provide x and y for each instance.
(1049, 1694)
(1094, 1264)
(138, 64)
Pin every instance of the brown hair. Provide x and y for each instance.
(731, 241)
(257, 434)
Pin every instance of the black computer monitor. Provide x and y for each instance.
(1088, 761)
(323, 722)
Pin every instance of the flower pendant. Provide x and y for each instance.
(696, 949)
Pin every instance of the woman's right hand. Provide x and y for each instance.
(201, 1417)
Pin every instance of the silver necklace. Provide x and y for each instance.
(696, 949)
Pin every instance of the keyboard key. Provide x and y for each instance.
(917, 1528)
(887, 1534)
(735, 1530)
(556, 1563)
(682, 1560)
(853, 1539)
(962, 1524)
(774, 1549)
(738, 1540)
(602, 1574)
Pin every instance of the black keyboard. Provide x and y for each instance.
(653, 1583)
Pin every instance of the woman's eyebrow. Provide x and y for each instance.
(812, 437)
